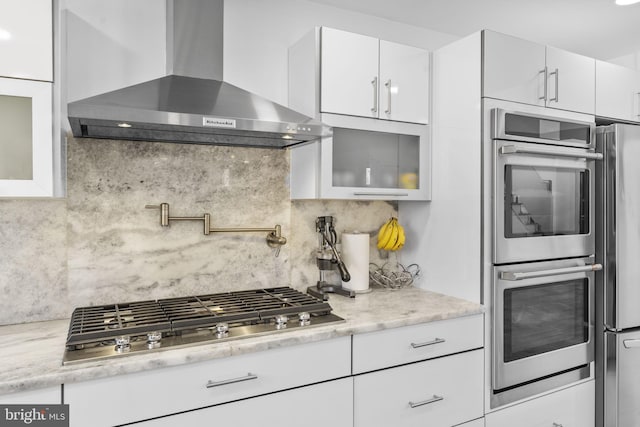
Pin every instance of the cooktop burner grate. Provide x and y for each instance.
(90, 324)
(174, 315)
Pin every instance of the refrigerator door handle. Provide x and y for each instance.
(631, 343)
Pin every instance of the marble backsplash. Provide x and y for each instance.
(100, 245)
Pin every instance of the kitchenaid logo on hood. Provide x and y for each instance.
(34, 415)
(217, 122)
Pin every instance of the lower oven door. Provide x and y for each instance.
(543, 197)
(543, 320)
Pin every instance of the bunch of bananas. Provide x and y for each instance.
(391, 235)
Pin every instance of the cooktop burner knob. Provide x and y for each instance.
(123, 344)
(304, 318)
(153, 339)
(281, 321)
(222, 330)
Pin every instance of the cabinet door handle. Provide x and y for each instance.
(556, 73)
(638, 110)
(369, 193)
(374, 84)
(249, 376)
(388, 86)
(434, 399)
(424, 344)
(544, 84)
(557, 425)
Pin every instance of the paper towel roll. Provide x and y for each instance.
(355, 254)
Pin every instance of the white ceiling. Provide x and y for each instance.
(596, 28)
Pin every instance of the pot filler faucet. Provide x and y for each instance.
(274, 239)
(328, 258)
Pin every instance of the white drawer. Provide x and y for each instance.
(45, 396)
(571, 407)
(385, 398)
(300, 407)
(148, 394)
(475, 423)
(391, 347)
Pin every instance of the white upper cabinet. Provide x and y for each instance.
(349, 74)
(26, 138)
(26, 39)
(26, 92)
(375, 95)
(522, 71)
(571, 81)
(617, 92)
(404, 83)
(513, 69)
(367, 77)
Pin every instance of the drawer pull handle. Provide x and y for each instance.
(434, 399)
(248, 377)
(424, 344)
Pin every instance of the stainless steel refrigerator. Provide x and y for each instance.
(618, 284)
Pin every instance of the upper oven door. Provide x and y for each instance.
(542, 129)
(543, 319)
(543, 202)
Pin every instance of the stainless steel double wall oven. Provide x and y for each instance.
(542, 295)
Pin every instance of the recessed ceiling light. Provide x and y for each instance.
(626, 2)
(124, 125)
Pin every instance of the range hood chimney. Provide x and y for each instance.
(192, 104)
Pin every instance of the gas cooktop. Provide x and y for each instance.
(115, 330)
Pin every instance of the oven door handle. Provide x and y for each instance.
(512, 149)
(512, 276)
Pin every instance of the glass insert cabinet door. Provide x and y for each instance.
(373, 165)
(375, 159)
(26, 162)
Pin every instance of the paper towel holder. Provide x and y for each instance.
(327, 259)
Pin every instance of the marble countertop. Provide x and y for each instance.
(31, 353)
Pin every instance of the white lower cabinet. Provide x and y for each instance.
(423, 375)
(397, 346)
(160, 392)
(441, 392)
(570, 407)
(46, 396)
(319, 405)
(475, 423)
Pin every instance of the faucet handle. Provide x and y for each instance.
(275, 239)
(164, 213)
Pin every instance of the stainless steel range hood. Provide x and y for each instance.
(192, 104)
